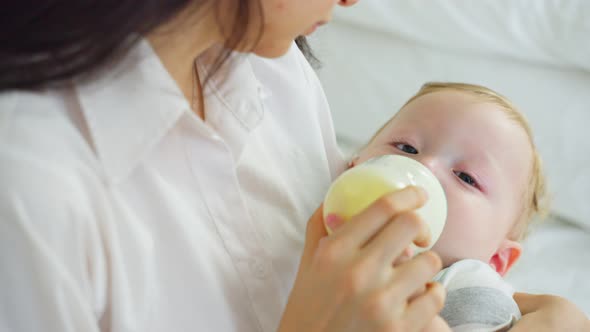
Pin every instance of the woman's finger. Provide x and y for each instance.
(395, 237)
(437, 325)
(315, 231)
(421, 311)
(410, 277)
(362, 227)
(405, 256)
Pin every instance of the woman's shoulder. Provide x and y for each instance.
(46, 126)
(45, 160)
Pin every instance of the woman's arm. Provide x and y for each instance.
(544, 313)
(50, 259)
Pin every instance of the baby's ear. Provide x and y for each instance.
(505, 257)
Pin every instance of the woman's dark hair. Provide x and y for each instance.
(47, 42)
(303, 45)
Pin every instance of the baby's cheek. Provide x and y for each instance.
(463, 237)
(449, 247)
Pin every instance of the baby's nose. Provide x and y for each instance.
(432, 163)
(429, 162)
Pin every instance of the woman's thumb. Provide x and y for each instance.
(314, 233)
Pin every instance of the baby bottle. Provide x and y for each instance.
(354, 190)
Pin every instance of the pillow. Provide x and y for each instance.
(550, 32)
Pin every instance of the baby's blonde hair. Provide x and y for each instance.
(535, 196)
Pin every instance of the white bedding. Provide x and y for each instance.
(370, 68)
(555, 261)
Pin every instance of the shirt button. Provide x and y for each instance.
(259, 268)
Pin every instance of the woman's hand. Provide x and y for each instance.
(347, 281)
(549, 313)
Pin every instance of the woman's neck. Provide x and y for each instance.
(179, 42)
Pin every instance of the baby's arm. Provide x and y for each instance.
(478, 299)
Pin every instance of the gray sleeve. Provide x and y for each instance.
(479, 308)
(478, 298)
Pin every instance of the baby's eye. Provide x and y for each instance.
(466, 178)
(406, 148)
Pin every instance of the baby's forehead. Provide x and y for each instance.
(471, 124)
(447, 101)
(462, 108)
(440, 114)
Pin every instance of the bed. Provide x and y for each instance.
(376, 55)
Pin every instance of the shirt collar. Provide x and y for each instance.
(129, 108)
(233, 99)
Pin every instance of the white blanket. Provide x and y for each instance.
(555, 261)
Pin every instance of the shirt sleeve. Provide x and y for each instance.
(51, 266)
(478, 299)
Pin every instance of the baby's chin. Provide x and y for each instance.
(446, 258)
(446, 261)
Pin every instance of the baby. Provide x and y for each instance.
(481, 150)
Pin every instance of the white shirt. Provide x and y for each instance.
(120, 210)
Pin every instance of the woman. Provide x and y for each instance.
(154, 181)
